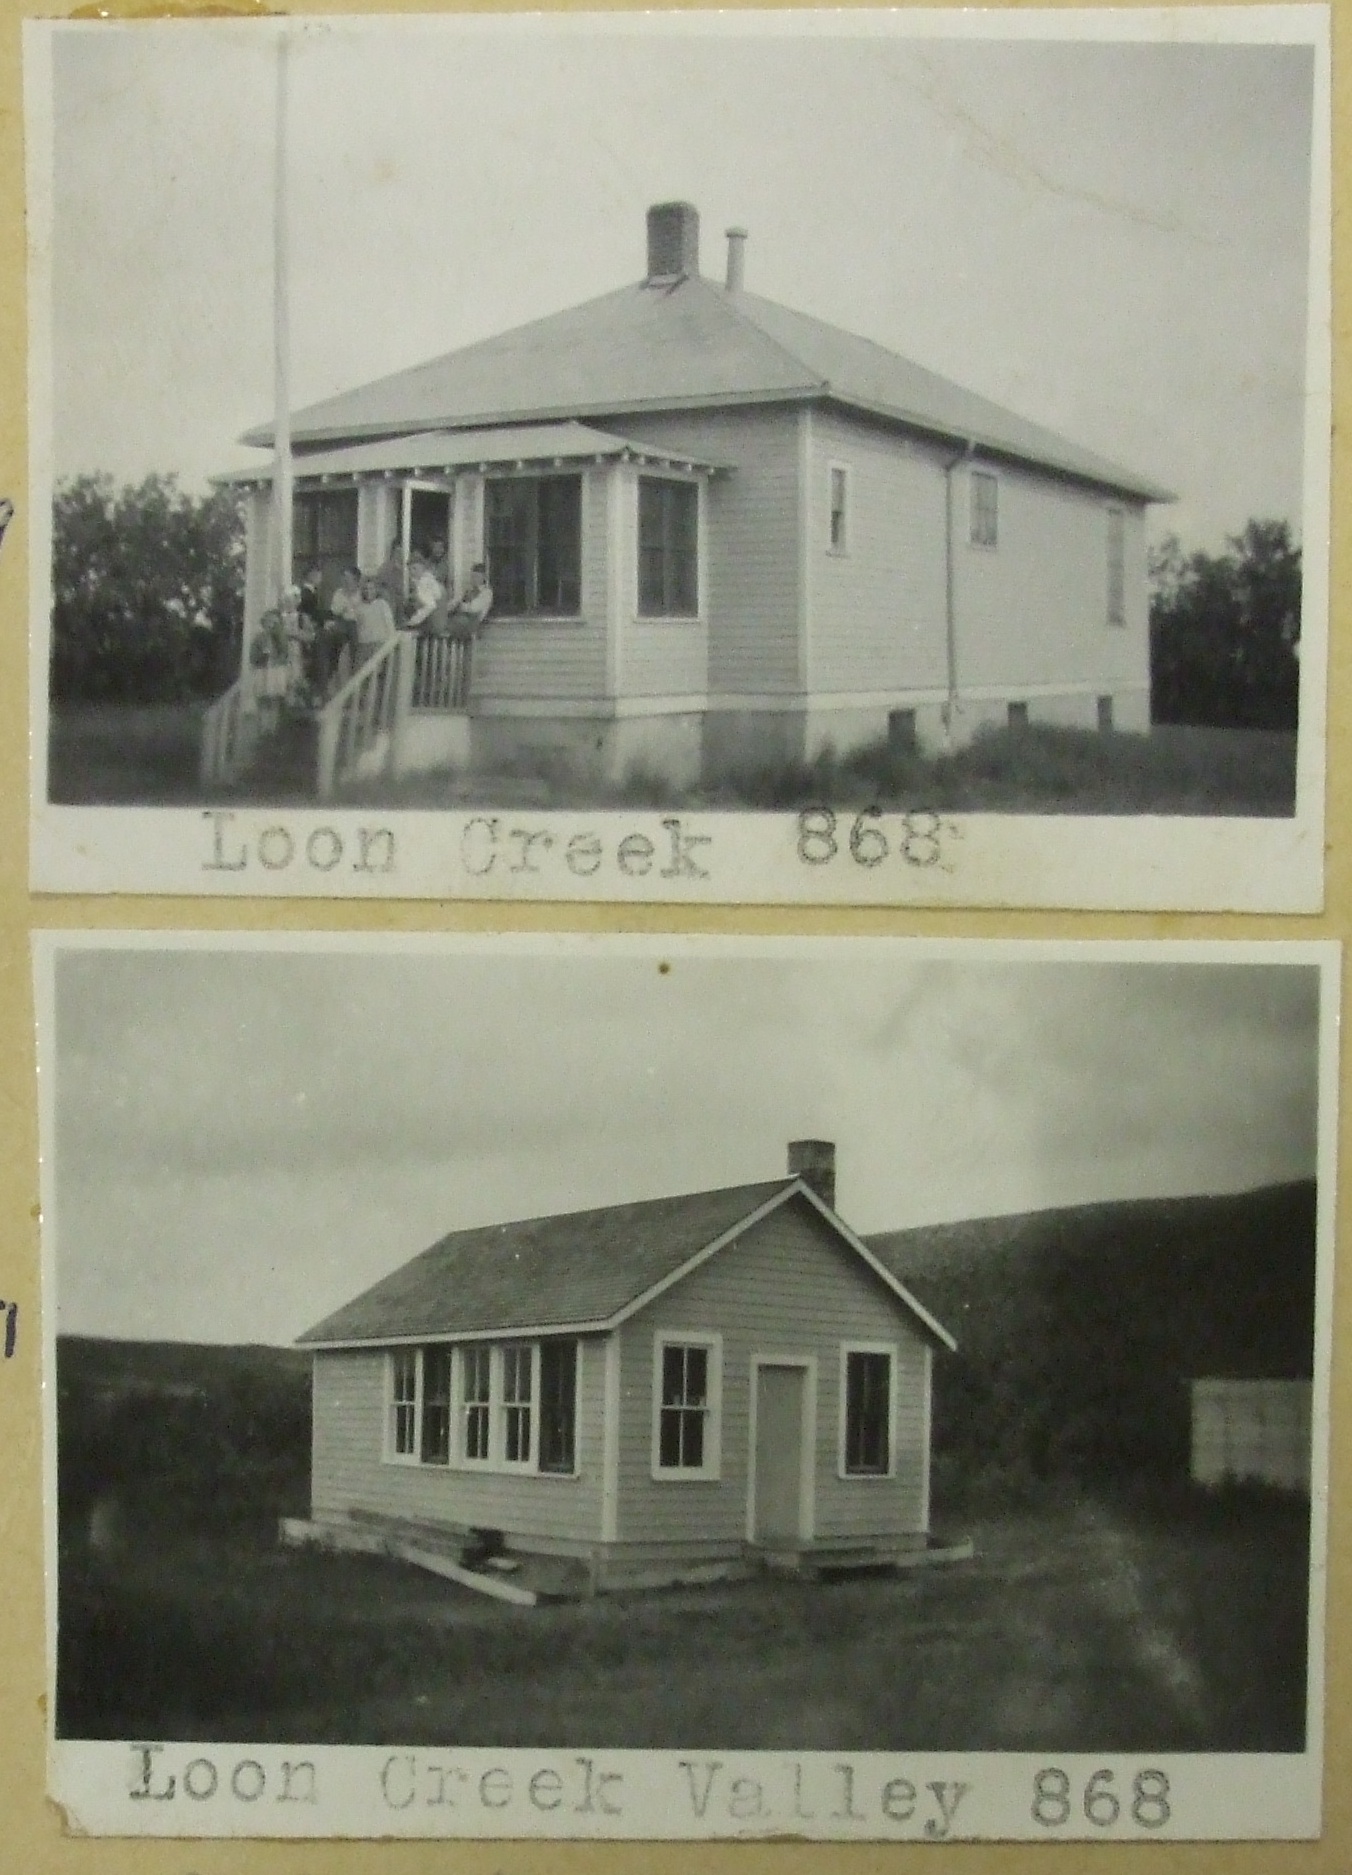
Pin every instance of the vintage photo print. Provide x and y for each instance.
(543, 457)
(639, 1388)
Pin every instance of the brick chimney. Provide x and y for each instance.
(673, 240)
(814, 1161)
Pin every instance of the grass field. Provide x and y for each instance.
(1088, 1624)
(107, 756)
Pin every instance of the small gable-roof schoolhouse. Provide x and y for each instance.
(646, 1393)
(719, 533)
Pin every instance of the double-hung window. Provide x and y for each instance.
(517, 1396)
(668, 548)
(1117, 567)
(476, 1393)
(403, 1433)
(687, 1388)
(867, 1385)
(533, 531)
(985, 515)
(838, 525)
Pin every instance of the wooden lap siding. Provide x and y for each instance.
(350, 1474)
(878, 608)
(530, 659)
(1033, 610)
(788, 1287)
(751, 546)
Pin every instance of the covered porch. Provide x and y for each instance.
(584, 534)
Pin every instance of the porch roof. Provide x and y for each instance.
(443, 452)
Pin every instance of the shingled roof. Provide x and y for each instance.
(686, 343)
(582, 1270)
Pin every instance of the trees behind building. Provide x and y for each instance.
(1225, 631)
(147, 591)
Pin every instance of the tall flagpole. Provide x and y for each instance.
(281, 339)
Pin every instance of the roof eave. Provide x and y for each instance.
(261, 437)
(1124, 484)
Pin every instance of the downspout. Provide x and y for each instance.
(953, 701)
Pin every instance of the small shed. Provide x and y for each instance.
(668, 1390)
(1252, 1431)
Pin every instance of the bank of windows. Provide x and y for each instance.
(509, 1406)
(867, 1399)
(838, 508)
(985, 509)
(687, 1406)
(1117, 567)
(668, 547)
(533, 538)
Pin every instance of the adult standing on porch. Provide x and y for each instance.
(427, 599)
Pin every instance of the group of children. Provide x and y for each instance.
(304, 650)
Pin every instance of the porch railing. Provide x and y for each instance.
(357, 725)
(441, 674)
(225, 741)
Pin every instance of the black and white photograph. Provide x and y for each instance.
(686, 1387)
(870, 456)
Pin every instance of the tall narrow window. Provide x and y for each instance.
(1117, 567)
(533, 526)
(436, 1413)
(323, 532)
(839, 537)
(476, 1370)
(868, 1414)
(404, 1402)
(516, 1403)
(558, 1406)
(668, 548)
(985, 509)
(684, 1411)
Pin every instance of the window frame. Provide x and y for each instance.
(503, 608)
(839, 550)
(1116, 568)
(391, 1452)
(711, 1471)
(843, 1470)
(495, 1459)
(696, 483)
(976, 531)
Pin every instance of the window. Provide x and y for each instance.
(668, 548)
(1017, 714)
(867, 1416)
(838, 478)
(404, 1403)
(686, 1393)
(985, 509)
(1105, 714)
(476, 1391)
(504, 1406)
(558, 1406)
(516, 1404)
(1117, 567)
(533, 528)
(436, 1406)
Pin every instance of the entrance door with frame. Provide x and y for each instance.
(782, 1448)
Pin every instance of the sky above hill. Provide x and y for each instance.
(1111, 239)
(246, 1138)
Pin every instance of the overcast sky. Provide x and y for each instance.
(1111, 239)
(246, 1139)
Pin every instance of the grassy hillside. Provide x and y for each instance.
(159, 1425)
(1079, 1329)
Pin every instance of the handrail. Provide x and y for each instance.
(355, 718)
(223, 753)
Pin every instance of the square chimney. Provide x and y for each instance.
(814, 1161)
(673, 240)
